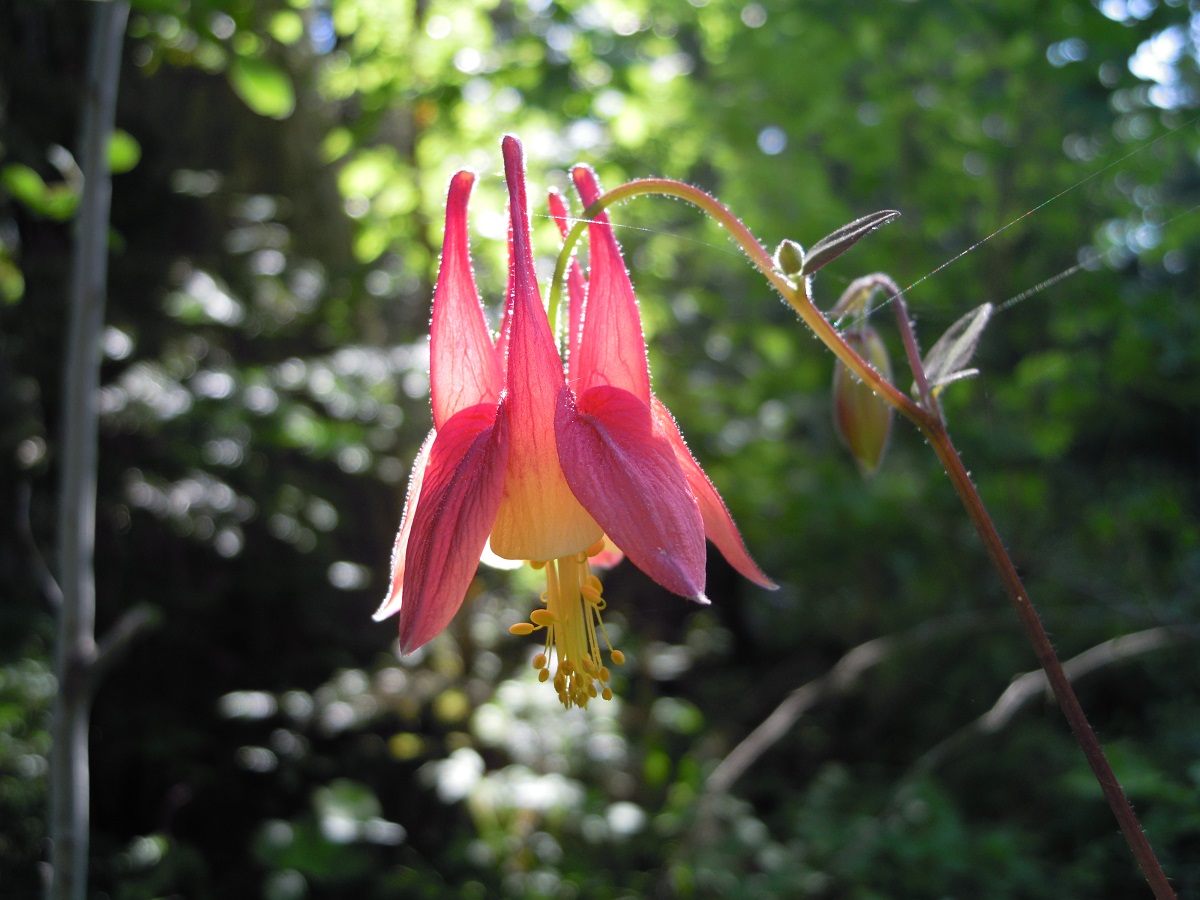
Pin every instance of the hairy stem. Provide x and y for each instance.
(939, 439)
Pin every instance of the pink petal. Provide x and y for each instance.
(718, 524)
(391, 604)
(539, 518)
(463, 368)
(626, 475)
(612, 346)
(575, 289)
(455, 506)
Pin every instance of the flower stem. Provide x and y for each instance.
(939, 439)
(926, 416)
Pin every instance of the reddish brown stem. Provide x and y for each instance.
(939, 439)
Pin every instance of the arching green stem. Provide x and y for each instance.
(796, 297)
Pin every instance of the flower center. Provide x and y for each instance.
(570, 617)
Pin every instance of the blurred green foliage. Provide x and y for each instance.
(281, 170)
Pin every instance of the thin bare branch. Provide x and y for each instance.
(118, 639)
(838, 681)
(37, 562)
(1031, 685)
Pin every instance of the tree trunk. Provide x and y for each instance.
(76, 651)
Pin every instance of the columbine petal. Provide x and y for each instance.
(718, 524)
(612, 348)
(455, 506)
(463, 365)
(539, 517)
(629, 479)
(391, 604)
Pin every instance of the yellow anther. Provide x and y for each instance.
(536, 564)
(542, 617)
(574, 631)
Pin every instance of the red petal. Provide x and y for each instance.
(612, 346)
(626, 475)
(391, 605)
(455, 508)
(718, 524)
(539, 517)
(575, 289)
(463, 366)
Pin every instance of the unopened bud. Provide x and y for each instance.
(862, 418)
(789, 259)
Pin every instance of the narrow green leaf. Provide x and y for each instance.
(830, 247)
(947, 359)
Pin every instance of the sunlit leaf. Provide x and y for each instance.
(23, 183)
(54, 201)
(370, 243)
(366, 174)
(12, 282)
(263, 87)
(947, 360)
(247, 44)
(337, 143)
(286, 27)
(124, 152)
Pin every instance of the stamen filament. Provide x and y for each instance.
(573, 603)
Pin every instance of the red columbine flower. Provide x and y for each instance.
(548, 467)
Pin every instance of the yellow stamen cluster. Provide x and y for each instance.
(572, 606)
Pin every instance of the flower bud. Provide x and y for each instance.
(863, 419)
(789, 259)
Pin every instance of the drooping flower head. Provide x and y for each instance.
(549, 467)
